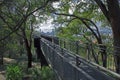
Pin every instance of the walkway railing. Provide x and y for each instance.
(89, 51)
(69, 66)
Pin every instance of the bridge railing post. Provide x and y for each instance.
(103, 54)
(59, 42)
(77, 47)
(95, 56)
(70, 45)
(77, 61)
(88, 50)
(64, 43)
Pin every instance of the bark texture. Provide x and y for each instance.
(114, 14)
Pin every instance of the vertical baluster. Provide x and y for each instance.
(77, 47)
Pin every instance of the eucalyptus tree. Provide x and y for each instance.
(112, 13)
(19, 16)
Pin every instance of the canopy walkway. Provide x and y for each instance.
(68, 66)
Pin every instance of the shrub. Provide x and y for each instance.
(47, 74)
(13, 72)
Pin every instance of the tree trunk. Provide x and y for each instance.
(103, 52)
(1, 59)
(29, 54)
(99, 40)
(114, 14)
(116, 36)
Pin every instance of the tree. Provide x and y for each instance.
(112, 13)
(16, 16)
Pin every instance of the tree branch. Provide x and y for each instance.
(17, 26)
(38, 8)
(98, 39)
(103, 8)
(83, 20)
(22, 20)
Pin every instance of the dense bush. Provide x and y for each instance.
(13, 72)
(45, 73)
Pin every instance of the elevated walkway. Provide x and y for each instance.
(68, 66)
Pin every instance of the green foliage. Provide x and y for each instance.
(35, 72)
(13, 72)
(45, 73)
(86, 9)
(18, 20)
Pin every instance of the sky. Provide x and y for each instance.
(47, 26)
